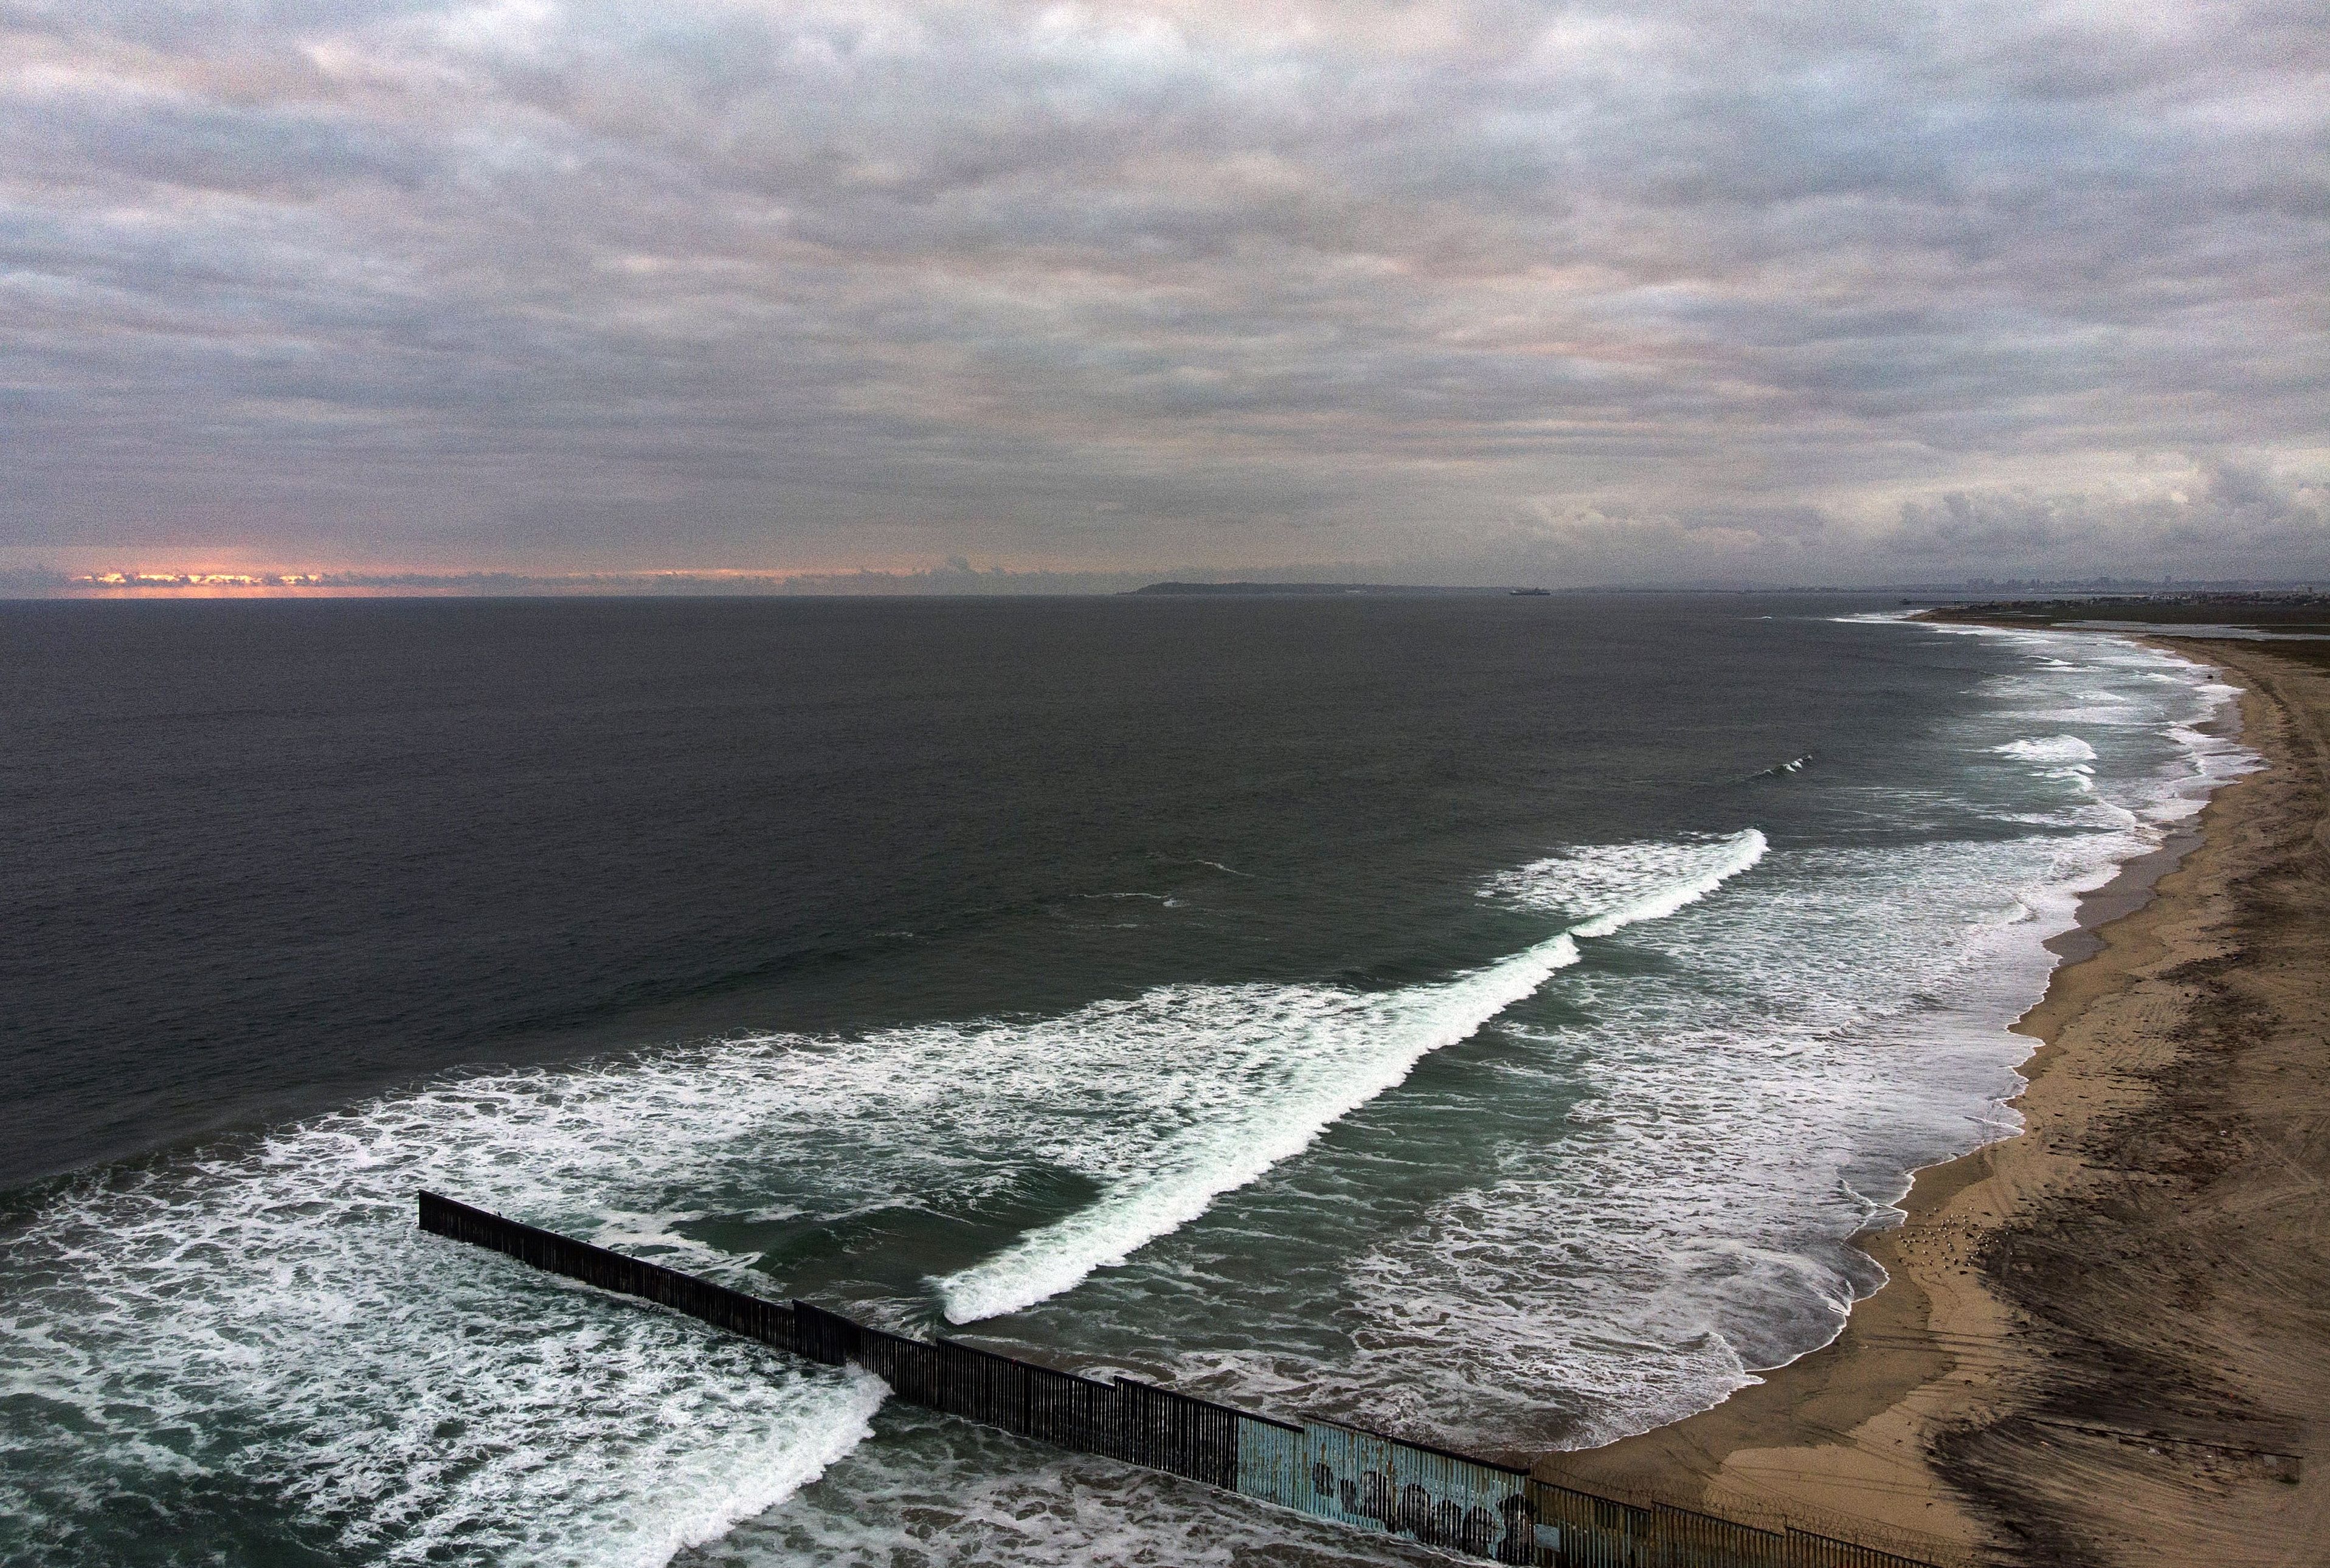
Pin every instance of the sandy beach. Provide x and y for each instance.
(2106, 1340)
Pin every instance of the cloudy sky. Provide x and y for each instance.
(1710, 289)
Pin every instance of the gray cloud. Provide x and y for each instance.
(2238, 512)
(1455, 291)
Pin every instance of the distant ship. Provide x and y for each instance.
(1532, 593)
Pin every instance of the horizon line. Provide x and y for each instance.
(960, 579)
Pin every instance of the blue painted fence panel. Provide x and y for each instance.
(1371, 1482)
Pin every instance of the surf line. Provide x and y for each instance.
(1343, 1474)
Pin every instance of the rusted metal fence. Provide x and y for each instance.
(1341, 1473)
(1125, 1419)
(770, 1322)
(1585, 1531)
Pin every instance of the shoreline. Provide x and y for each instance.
(2099, 1338)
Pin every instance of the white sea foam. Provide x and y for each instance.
(271, 1324)
(2048, 749)
(1747, 1107)
(938, 1494)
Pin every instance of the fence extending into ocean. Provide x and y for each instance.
(1360, 1479)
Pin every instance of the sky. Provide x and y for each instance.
(1051, 294)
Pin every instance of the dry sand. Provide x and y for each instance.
(2106, 1340)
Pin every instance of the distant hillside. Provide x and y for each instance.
(1303, 589)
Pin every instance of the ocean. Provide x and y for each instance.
(1480, 1019)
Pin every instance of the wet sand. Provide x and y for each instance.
(2106, 1340)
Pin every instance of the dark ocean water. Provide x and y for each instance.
(1482, 1017)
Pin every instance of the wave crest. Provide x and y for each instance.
(1608, 886)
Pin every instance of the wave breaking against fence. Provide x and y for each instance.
(1360, 1479)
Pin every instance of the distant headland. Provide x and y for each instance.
(1307, 589)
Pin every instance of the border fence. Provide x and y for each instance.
(1355, 1477)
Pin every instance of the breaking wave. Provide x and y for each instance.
(1341, 1048)
(1607, 887)
(1347, 1049)
(2055, 749)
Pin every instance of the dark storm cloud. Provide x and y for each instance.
(1680, 290)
